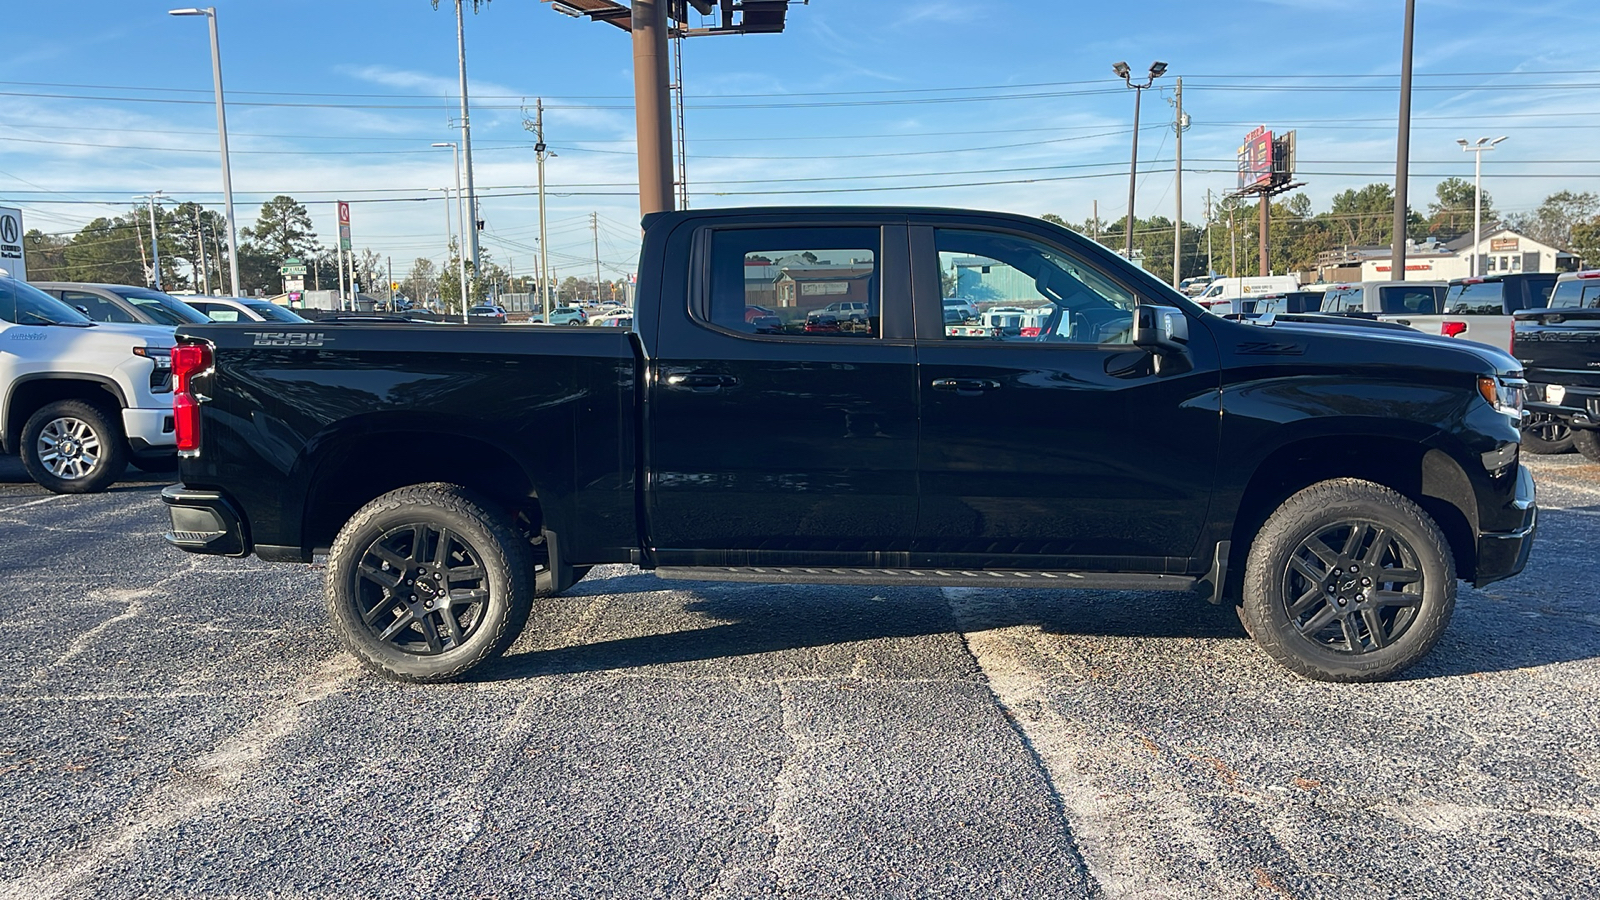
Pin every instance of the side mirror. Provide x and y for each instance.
(1162, 329)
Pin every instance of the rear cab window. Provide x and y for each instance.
(803, 283)
(1403, 299)
(1576, 294)
(1342, 299)
(1485, 298)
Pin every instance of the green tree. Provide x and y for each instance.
(45, 254)
(1450, 215)
(450, 281)
(1586, 241)
(113, 250)
(1553, 221)
(422, 282)
(282, 230)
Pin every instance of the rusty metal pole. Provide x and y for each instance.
(1266, 229)
(1402, 163)
(652, 109)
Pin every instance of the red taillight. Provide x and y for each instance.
(1452, 329)
(188, 360)
(1030, 331)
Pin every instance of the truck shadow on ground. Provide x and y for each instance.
(12, 472)
(1544, 617)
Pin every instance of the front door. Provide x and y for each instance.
(1048, 439)
(781, 419)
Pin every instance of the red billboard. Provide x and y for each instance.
(1255, 158)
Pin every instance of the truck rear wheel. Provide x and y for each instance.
(428, 581)
(73, 447)
(1348, 581)
(1587, 442)
(1545, 433)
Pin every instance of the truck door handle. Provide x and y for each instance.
(700, 381)
(965, 384)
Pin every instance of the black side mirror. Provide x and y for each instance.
(1162, 329)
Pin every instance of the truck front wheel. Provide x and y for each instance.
(1348, 581)
(73, 447)
(1587, 442)
(1543, 433)
(428, 581)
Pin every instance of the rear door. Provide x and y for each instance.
(770, 444)
(1064, 449)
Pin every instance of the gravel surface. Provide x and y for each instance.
(186, 726)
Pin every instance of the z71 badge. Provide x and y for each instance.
(288, 338)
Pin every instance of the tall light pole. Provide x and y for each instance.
(461, 250)
(155, 247)
(466, 142)
(1157, 69)
(541, 152)
(1477, 192)
(210, 13)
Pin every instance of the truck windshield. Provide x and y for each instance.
(24, 304)
(164, 310)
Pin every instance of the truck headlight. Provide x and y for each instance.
(161, 356)
(1504, 394)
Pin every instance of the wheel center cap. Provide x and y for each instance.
(68, 448)
(427, 588)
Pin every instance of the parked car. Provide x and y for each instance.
(964, 309)
(1221, 295)
(1194, 287)
(80, 400)
(1480, 309)
(486, 314)
(569, 315)
(752, 312)
(123, 303)
(1281, 303)
(822, 324)
(613, 321)
(242, 309)
(1560, 347)
(1336, 478)
(843, 310)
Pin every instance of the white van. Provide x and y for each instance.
(1221, 295)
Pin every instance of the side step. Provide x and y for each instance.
(1100, 581)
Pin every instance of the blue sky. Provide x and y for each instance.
(1006, 104)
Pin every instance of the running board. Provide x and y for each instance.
(1100, 581)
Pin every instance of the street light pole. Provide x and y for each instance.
(1477, 193)
(155, 247)
(210, 13)
(466, 140)
(461, 250)
(1402, 165)
(1157, 69)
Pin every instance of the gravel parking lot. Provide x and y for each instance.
(187, 726)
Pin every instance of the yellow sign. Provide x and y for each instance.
(394, 285)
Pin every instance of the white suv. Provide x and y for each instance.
(79, 400)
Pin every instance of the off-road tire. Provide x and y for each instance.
(110, 443)
(1325, 508)
(488, 538)
(1558, 437)
(1587, 442)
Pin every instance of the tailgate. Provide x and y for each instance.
(1560, 346)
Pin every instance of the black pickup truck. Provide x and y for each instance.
(1334, 479)
(1559, 346)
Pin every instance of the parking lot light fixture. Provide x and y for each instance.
(461, 252)
(1157, 69)
(210, 12)
(1477, 194)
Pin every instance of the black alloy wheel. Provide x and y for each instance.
(1356, 587)
(428, 581)
(422, 589)
(1348, 580)
(1545, 433)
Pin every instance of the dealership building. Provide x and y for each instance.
(1501, 252)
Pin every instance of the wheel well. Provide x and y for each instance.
(358, 470)
(28, 397)
(1428, 477)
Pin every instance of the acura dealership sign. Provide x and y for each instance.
(11, 257)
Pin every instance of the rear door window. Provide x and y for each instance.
(96, 307)
(820, 282)
(1482, 299)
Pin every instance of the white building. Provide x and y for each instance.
(1502, 252)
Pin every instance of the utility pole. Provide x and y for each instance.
(1094, 220)
(1266, 224)
(1210, 267)
(200, 243)
(594, 226)
(155, 247)
(391, 283)
(1179, 124)
(1233, 244)
(466, 141)
(1402, 161)
(540, 151)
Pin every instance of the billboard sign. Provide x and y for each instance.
(1255, 158)
(12, 259)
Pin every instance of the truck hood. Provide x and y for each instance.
(1364, 341)
(151, 335)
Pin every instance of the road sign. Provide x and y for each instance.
(288, 269)
(291, 285)
(394, 285)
